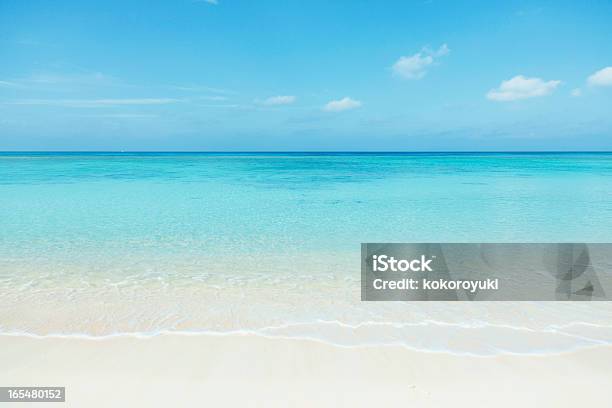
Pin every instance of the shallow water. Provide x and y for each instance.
(101, 244)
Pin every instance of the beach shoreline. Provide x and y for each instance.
(234, 280)
(247, 370)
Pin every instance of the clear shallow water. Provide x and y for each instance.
(141, 243)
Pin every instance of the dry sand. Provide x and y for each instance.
(245, 371)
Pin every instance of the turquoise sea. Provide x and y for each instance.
(109, 243)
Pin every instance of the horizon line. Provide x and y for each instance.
(305, 151)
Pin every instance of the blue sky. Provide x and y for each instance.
(305, 75)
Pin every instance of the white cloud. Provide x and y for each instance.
(10, 84)
(603, 77)
(521, 87)
(213, 98)
(201, 88)
(60, 81)
(213, 2)
(442, 51)
(340, 105)
(95, 103)
(279, 100)
(225, 106)
(415, 66)
(82, 78)
(576, 92)
(122, 116)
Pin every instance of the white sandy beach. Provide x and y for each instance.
(248, 370)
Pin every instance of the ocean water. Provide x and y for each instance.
(100, 244)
